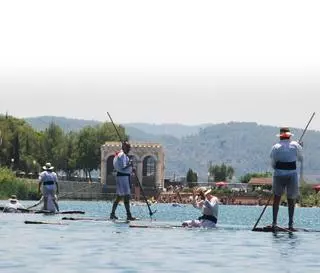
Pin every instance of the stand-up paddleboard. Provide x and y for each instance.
(282, 229)
(118, 221)
(155, 226)
(22, 210)
(271, 229)
(60, 212)
(13, 210)
(231, 228)
(44, 223)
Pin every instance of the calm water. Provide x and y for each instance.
(94, 246)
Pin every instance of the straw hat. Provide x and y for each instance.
(13, 198)
(48, 167)
(204, 190)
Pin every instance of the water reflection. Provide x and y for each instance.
(285, 243)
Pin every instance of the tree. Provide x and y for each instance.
(221, 172)
(54, 139)
(246, 178)
(192, 178)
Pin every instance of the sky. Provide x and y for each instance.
(188, 62)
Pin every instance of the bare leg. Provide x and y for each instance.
(114, 207)
(56, 204)
(127, 206)
(275, 209)
(45, 203)
(291, 204)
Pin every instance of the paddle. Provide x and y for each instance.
(300, 139)
(36, 204)
(140, 186)
(266, 205)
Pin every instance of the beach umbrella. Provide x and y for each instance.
(317, 188)
(221, 184)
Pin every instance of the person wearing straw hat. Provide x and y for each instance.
(48, 185)
(208, 204)
(284, 156)
(14, 205)
(123, 166)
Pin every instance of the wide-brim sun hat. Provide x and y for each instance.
(48, 166)
(284, 132)
(204, 190)
(13, 198)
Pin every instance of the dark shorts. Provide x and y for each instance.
(288, 183)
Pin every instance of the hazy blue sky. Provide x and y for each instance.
(186, 62)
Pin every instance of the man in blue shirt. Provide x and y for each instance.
(284, 156)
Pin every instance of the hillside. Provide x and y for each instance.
(174, 129)
(243, 145)
(67, 124)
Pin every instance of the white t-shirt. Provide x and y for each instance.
(121, 162)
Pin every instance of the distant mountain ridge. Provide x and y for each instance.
(67, 124)
(243, 145)
(71, 124)
(172, 129)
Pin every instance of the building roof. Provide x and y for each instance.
(260, 181)
(133, 144)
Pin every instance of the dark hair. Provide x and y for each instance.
(126, 144)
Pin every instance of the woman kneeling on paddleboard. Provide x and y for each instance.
(208, 204)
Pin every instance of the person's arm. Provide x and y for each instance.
(20, 206)
(39, 186)
(40, 182)
(299, 153)
(57, 184)
(195, 203)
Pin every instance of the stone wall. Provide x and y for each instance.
(81, 190)
(151, 184)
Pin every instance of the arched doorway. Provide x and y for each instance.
(148, 172)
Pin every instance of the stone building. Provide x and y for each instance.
(148, 160)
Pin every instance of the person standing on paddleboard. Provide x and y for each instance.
(123, 166)
(48, 181)
(284, 156)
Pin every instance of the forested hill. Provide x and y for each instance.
(174, 129)
(67, 124)
(245, 146)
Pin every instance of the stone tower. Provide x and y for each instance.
(148, 160)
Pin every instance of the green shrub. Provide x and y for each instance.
(10, 184)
